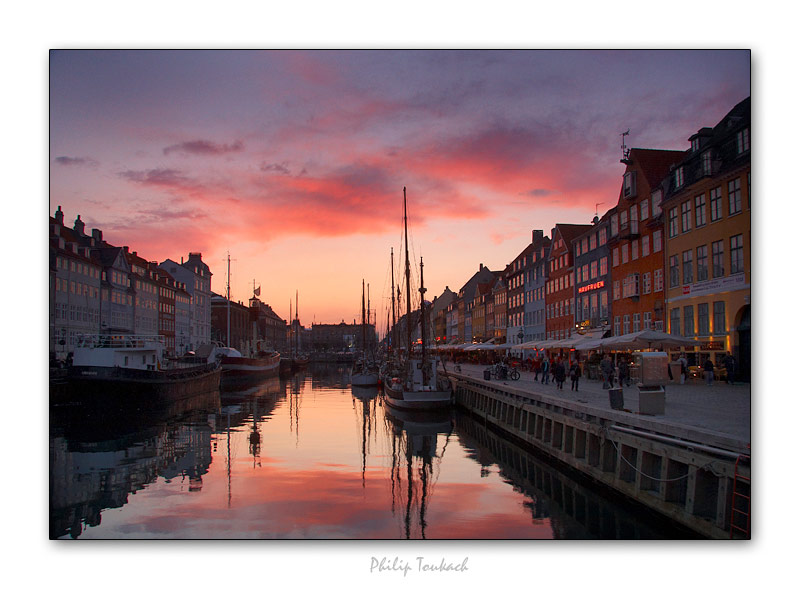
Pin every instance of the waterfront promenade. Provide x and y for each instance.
(720, 408)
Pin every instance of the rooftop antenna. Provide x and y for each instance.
(625, 150)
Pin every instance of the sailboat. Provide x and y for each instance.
(418, 386)
(258, 361)
(365, 373)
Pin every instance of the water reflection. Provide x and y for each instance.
(414, 450)
(236, 464)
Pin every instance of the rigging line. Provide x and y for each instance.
(644, 474)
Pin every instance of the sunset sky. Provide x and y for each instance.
(294, 162)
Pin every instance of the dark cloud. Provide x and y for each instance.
(539, 192)
(275, 168)
(203, 147)
(157, 177)
(76, 161)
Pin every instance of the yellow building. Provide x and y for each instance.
(707, 247)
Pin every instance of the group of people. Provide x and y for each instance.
(558, 369)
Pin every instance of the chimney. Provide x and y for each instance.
(98, 235)
(125, 249)
(480, 267)
(59, 216)
(537, 233)
(79, 225)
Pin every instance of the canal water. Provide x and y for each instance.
(310, 457)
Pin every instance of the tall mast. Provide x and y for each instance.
(291, 329)
(228, 341)
(391, 330)
(296, 321)
(408, 276)
(422, 313)
(363, 324)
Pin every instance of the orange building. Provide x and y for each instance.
(636, 243)
(560, 285)
(707, 208)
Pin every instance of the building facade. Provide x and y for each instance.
(636, 242)
(593, 276)
(707, 210)
(535, 281)
(196, 277)
(560, 285)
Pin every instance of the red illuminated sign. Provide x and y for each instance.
(593, 286)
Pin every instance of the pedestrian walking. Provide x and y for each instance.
(575, 374)
(730, 368)
(624, 374)
(537, 368)
(546, 370)
(684, 367)
(560, 374)
(708, 368)
(607, 370)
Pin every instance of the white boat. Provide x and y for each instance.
(135, 368)
(418, 385)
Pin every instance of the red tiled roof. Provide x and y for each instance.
(655, 163)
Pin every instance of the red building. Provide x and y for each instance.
(636, 242)
(560, 285)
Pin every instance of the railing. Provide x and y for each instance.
(94, 340)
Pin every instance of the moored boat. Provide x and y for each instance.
(417, 385)
(135, 368)
(236, 367)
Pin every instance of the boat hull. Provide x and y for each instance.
(146, 387)
(249, 369)
(426, 400)
(364, 379)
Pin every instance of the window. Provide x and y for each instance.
(603, 304)
(673, 222)
(743, 141)
(626, 324)
(674, 278)
(616, 290)
(737, 254)
(675, 321)
(630, 286)
(719, 318)
(700, 210)
(636, 322)
(635, 249)
(656, 196)
(603, 265)
(688, 277)
(702, 263)
(644, 209)
(616, 326)
(645, 245)
(614, 225)
(717, 265)
(657, 241)
(658, 280)
(634, 219)
(679, 177)
(646, 318)
(735, 196)
(702, 319)
(707, 163)
(592, 241)
(686, 216)
(623, 220)
(688, 321)
(646, 283)
(615, 257)
(629, 184)
(715, 198)
(624, 249)
(602, 237)
(593, 268)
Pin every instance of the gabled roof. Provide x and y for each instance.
(654, 164)
(570, 233)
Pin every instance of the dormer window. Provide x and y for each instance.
(743, 141)
(679, 177)
(695, 143)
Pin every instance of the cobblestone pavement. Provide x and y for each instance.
(719, 408)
